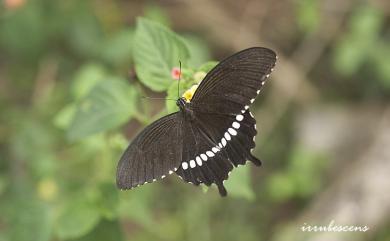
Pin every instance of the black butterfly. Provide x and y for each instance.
(210, 134)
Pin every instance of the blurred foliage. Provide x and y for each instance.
(301, 179)
(75, 72)
(308, 15)
(364, 46)
(109, 103)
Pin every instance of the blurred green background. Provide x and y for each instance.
(72, 77)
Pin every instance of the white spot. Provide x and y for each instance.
(251, 114)
(220, 145)
(232, 131)
(203, 156)
(210, 153)
(184, 165)
(272, 69)
(236, 125)
(223, 141)
(246, 107)
(267, 76)
(198, 159)
(154, 179)
(215, 150)
(239, 117)
(262, 83)
(242, 111)
(252, 100)
(255, 127)
(258, 92)
(170, 172)
(175, 169)
(199, 162)
(227, 136)
(254, 138)
(192, 164)
(162, 176)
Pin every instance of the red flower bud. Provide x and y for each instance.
(175, 73)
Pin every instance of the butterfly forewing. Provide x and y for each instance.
(153, 154)
(235, 82)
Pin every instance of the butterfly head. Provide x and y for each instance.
(181, 102)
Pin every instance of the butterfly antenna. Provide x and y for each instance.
(156, 98)
(178, 82)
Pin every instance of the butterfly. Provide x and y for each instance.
(212, 132)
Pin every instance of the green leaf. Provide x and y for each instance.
(239, 185)
(77, 219)
(65, 116)
(86, 78)
(156, 51)
(206, 67)
(109, 104)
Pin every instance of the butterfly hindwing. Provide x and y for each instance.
(238, 131)
(202, 161)
(153, 154)
(212, 148)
